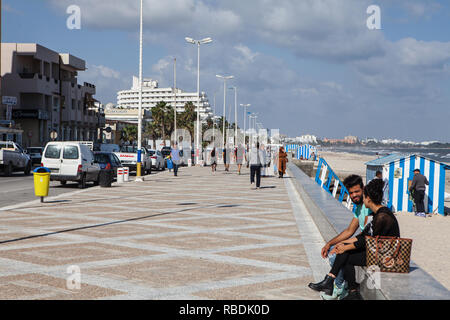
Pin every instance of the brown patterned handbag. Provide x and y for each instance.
(390, 254)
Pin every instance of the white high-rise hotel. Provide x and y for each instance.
(152, 94)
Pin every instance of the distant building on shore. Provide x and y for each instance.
(152, 94)
(307, 138)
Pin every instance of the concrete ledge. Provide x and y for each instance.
(331, 218)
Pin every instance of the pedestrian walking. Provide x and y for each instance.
(240, 157)
(418, 189)
(226, 158)
(213, 160)
(282, 162)
(255, 161)
(175, 156)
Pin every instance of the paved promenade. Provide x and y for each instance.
(195, 236)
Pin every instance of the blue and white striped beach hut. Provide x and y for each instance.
(306, 151)
(291, 147)
(399, 169)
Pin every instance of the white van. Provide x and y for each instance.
(70, 161)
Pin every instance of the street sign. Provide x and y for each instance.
(54, 135)
(9, 100)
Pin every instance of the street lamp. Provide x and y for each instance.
(138, 164)
(175, 97)
(198, 43)
(225, 78)
(235, 114)
(245, 117)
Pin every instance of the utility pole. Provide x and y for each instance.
(175, 95)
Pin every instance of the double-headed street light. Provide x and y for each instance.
(198, 43)
(225, 78)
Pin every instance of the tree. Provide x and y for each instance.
(152, 132)
(163, 119)
(187, 119)
(129, 133)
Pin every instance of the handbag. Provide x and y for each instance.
(390, 254)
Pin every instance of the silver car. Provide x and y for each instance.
(157, 159)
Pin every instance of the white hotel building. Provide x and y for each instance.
(152, 94)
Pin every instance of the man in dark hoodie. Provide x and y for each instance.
(418, 188)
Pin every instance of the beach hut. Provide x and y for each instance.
(291, 147)
(399, 170)
(306, 152)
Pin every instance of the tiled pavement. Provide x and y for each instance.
(195, 236)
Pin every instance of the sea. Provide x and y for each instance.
(437, 154)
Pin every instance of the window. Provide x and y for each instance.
(101, 158)
(53, 151)
(70, 152)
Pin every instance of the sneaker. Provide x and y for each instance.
(338, 293)
(421, 214)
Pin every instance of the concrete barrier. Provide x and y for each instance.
(331, 218)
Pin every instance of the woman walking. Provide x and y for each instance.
(352, 252)
(240, 157)
(255, 165)
(213, 160)
(282, 162)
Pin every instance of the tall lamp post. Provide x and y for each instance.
(245, 117)
(138, 164)
(175, 96)
(225, 78)
(235, 115)
(198, 43)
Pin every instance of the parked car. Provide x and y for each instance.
(109, 147)
(70, 161)
(128, 158)
(158, 161)
(107, 161)
(35, 154)
(13, 158)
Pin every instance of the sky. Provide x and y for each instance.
(305, 66)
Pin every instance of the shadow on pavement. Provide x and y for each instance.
(106, 224)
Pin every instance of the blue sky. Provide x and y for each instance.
(306, 66)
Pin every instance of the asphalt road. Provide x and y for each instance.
(19, 188)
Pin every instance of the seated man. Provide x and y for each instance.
(354, 185)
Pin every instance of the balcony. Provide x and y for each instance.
(37, 83)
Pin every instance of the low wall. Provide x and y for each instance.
(331, 218)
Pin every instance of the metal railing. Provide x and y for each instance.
(330, 182)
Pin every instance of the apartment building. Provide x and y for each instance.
(49, 98)
(152, 94)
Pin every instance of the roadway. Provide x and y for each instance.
(19, 188)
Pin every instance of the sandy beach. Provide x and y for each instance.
(431, 245)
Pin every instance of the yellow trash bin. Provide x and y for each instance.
(41, 182)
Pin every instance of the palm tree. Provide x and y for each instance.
(152, 132)
(129, 134)
(162, 115)
(187, 118)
